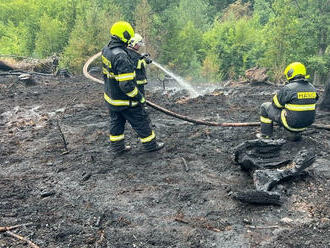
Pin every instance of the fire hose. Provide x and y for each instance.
(182, 117)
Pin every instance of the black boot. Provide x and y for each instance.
(293, 136)
(266, 130)
(153, 146)
(119, 147)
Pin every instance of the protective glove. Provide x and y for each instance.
(143, 101)
(146, 57)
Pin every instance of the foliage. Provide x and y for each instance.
(89, 35)
(51, 38)
(236, 43)
(202, 39)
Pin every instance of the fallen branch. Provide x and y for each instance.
(8, 228)
(262, 227)
(185, 165)
(33, 245)
(206, 226)
(62, 136)
(17, 73)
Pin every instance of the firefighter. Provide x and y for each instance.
(123, 98)
(293, 106)
(140, 61)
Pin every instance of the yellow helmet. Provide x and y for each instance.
(136, 40)
(295, 69)
(123, 30)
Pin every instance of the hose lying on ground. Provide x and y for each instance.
(182, 117)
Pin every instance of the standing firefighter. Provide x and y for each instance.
(140, 61)
(124, 100)
(293, 106)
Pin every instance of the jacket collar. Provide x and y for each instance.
(116, 42)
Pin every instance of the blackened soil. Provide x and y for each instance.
(179, 197)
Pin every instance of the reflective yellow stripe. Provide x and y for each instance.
(107, 73)
(125, 76)
(306, 95)
(277, 103)
(140, 63)
(116, 138)
(265, 120)
(149, 138)
(142, 100)
(133, 93)
(283, 118)
(295, 107)
(141, 81)
(118, 102)
(106, 61)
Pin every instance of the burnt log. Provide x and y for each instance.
(325, 102)
(5, 67)
(258, 197)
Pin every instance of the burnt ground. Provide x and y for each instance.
(178, 197)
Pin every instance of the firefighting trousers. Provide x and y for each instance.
(139, 119)
(268, 114)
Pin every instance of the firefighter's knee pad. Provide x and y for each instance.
(264, 109)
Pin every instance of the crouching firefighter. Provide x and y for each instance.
(125, 102)
(293, 106)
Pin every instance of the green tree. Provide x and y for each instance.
(143, 24)
(236, 40)
(181, 38)
(262, 11)
(13, 39)
(90, 34)
(52, 36)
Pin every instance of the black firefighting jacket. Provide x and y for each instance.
(120, 88)
(298, 100)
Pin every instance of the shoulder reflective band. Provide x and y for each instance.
(107, 73)
(140, 63)
(265, 120)
(285, 123)
(119, 102)
(106, 61)
(277, 103)
(141, 81)
(116, 138)
(149, 138)
(133, 93)
(125, 77)
(306, 95)
(295, 107)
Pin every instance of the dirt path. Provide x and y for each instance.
(179, 197)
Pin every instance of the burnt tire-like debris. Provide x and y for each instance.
(268, 166)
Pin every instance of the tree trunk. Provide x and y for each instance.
(325, 102)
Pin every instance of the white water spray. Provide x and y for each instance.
(192, 92)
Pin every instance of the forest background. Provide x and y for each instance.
(201, 40)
